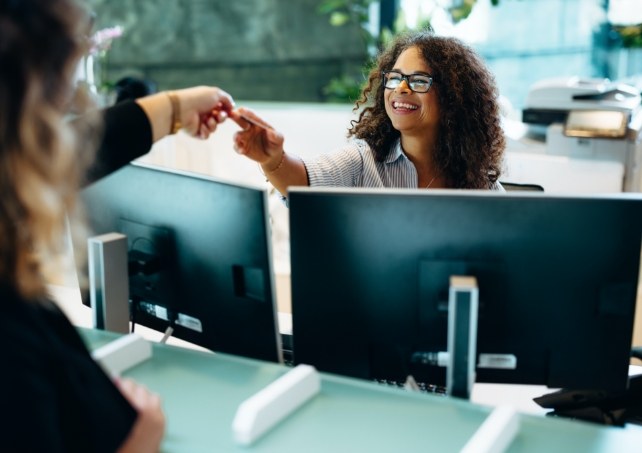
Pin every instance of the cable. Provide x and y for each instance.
(168, 333)
(133, 308)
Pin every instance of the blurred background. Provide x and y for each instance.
(318, 50)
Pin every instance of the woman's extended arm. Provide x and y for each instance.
(261, 143)
(131, 127)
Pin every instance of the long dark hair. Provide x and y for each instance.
(471, 142)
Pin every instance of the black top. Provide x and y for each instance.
(53, 395)
(128, 135)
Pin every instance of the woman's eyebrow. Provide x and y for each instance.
(412, 73)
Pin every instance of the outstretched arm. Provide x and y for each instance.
(197, 110)
(131, 127)
(261, 143)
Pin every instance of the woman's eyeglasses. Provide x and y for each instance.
(419, 83)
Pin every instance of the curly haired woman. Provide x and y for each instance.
(429, 119)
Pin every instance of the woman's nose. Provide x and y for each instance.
(403, 86)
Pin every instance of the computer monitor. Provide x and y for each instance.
(557, 279)
(199, 256)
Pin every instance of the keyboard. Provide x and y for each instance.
(422, 387)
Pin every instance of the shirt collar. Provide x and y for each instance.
(395, 154)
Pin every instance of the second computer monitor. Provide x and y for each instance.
(199, 256)
(557, 279)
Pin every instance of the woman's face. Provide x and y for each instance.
(412, 113)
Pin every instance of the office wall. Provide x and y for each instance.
(256, 49)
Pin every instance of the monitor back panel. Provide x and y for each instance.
(210, 268)
(557, 282)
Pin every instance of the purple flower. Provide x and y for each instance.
(102, 39)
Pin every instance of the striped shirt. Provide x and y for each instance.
(355, 166)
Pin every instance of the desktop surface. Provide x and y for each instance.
(201, 393)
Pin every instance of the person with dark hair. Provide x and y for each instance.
(133, 88)
(429, 118)
(56, 397)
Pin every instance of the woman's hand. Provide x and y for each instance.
(148, 430)
(261, 143)
(199, 110)
(202, 109)
(257, 140)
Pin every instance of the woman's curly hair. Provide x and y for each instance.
(471, 142)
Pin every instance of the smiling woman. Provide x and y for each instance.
(428, 117)
(413, 110)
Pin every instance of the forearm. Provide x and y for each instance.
(127, 135)
(288, 171)
(195, 110)
(158, 109)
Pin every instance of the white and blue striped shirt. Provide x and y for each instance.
(355, 166)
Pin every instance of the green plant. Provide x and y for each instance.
(342, 12)
(631, 35)
(346, 88)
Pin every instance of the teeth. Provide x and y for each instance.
(403, 105)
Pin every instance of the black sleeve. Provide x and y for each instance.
(127, 136)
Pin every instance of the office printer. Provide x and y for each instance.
(549, 100)
(591, 119)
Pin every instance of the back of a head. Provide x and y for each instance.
(133, 88)
(42, 42)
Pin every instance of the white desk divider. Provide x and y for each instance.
(259, 413)
(123, 353)
(496, 433)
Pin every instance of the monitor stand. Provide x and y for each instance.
(463, 302)
(109, 282)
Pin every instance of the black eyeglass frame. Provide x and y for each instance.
(407, 78)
